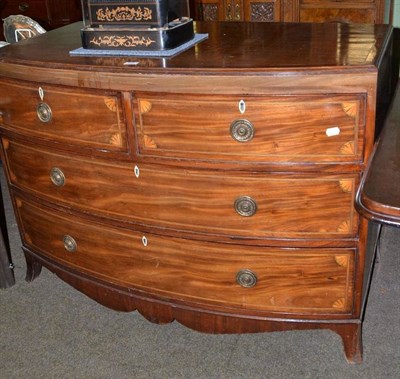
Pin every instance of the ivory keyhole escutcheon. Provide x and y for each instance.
(137, 171)
(242, 106)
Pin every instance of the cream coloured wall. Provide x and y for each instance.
(396, 13)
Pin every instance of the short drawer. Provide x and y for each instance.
(64, 115)
(250, 128)
(232, 276)
(259, 205)
(351, 12)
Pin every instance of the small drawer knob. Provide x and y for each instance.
(69, 244)
(242, 130)
(245, 206)
(57, 177)
(23, 7)
(43, 112)
(246, 278)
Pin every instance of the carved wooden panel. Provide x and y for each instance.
(238, 10)
(262, 12)
(209, 12)
(359, 11)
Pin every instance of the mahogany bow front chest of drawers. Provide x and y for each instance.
(215, 188)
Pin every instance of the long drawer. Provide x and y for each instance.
(63, 115)
(297, 128)
(258, 205)
(265, 279)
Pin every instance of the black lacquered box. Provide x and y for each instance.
(136, 25)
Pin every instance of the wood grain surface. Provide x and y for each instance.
(288, 206)
(294, 280)
(137, 167)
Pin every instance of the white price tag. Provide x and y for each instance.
(335, 131)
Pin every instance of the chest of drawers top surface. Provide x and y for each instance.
(230, 47)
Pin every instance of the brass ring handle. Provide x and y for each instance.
(245, 206)
(57, 177)
(246, 278)
(242, 130)
(44, 112)
(70, 244)
(23, 7)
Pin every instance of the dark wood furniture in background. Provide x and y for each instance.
(358, 11)
(50, 14)
(378, 198)
(215, 188)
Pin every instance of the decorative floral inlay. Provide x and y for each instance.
(350, 109)
(149, 142)
(116, 139)
(342, 260)
(344, 227)
(13, 177)
(111, 103)
(339, 304)
(346, 185)
(28, 238)
(6, 143)
(144, 106)
(124, 14)
(347, 148)
(122, 41)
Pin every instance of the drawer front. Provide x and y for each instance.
(234, 204)
(252, 129)
(35, 9)
(338, 13)
(65, 116)
(277, 280)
